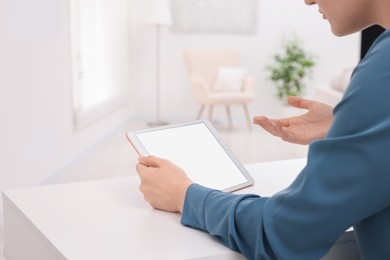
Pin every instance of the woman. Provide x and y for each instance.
(345, 183)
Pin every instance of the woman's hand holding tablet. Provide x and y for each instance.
(196, 148)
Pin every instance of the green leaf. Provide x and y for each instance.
(290, 67)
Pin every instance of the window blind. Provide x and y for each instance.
(100, 32)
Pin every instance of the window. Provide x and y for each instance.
(100, 57)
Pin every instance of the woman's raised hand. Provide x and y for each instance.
(303, 129)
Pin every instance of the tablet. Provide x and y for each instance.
(196, 148)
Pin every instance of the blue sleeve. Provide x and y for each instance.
(345, 183)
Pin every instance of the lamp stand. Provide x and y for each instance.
(158, 121)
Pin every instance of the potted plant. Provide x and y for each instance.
(289, 69)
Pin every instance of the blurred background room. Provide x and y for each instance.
(75, 75)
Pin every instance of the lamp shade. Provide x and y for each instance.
(159, 13)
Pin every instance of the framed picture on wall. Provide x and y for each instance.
(214, 16)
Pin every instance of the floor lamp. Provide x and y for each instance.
(159, 15)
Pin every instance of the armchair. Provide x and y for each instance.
(216, 79)
(333, 92)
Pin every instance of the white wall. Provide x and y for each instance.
(37, 138)
(276, 20)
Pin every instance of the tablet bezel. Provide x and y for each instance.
(141, 150)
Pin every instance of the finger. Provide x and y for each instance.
(299, 102)
(264, 122)
(272, 126)
(141, 169)
(151, 161)
(284, 132)
(279, 131)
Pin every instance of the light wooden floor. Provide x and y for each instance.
(114, 156)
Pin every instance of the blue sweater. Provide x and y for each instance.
(346, 182)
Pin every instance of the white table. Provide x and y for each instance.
(109, 219)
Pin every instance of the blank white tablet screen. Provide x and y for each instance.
(197, 152)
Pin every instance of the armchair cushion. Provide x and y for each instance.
(230, 79)
(341, 81)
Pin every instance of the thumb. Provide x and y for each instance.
(151, 161)
(299, 102)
